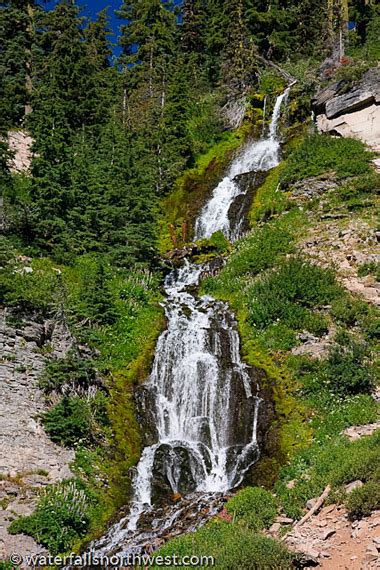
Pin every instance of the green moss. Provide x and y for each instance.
(184, 202)
(268, 200)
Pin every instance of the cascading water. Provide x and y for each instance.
(202, 396)
(261, 155)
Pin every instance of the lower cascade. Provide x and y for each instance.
(203, 399)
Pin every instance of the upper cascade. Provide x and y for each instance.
(260, 155)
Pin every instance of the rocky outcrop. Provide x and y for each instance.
(24, 445)
(28, 458)
(347, 244)
(20, 144)
(351, 112)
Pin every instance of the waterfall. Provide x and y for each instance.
(259, 155)
(204, 397)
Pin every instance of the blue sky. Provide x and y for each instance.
(92, 7)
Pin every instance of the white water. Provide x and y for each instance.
(205, 398)
(260, 155)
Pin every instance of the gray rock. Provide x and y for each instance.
(284, 520)
(354, 485)
(338, 99)
(349, 102)
(310, 503)
(275, 528)
(328, 533)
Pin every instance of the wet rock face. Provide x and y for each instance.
(145, 399)
(179, 467)
(351, 111)
(249, 183)
(175, 470)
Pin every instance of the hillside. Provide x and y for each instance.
(190, 283)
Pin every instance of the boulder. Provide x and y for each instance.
(363, 124)
(349, 102)
(351, 111)
(352, 486)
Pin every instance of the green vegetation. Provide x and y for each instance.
(228, 543)
(371, 268)
(323, 154)
(254, 507)
(335, 461)
(364, 500)
(71, 371)
(126, 149)
(76, 421)
(62, 515)
(289, 294)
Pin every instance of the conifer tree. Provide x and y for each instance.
(238, 64)
(148, 37)
(16, 30)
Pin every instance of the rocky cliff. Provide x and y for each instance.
(351, 111)
(29, 460)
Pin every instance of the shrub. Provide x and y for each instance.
(253, 506)
(232, 546)
(347, 371)
(287, 294)
(321, 153)
(30, 292)
(371, 268)
(361, 502)
(61, 516)
(348, 311)
(70, 422)
(70, 373)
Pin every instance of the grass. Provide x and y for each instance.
(254, 507)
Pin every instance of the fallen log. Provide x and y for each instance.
(314, 508)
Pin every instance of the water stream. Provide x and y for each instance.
(203, 397)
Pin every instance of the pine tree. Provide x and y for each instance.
(98, 299)
(70, 104)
